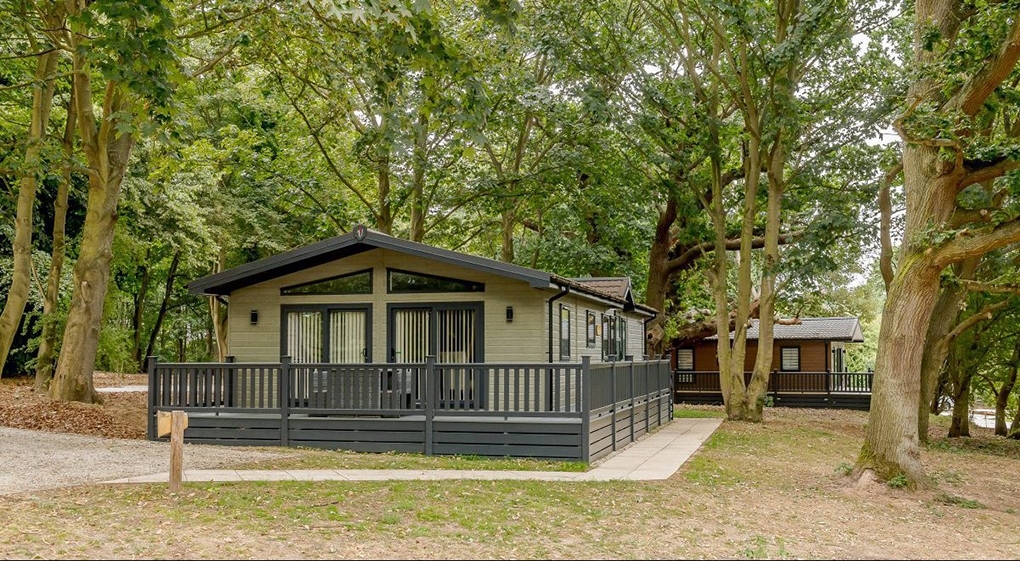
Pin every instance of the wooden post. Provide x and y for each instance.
(612, 412)
(228, 384)
(150, 424)
(431, 385)
(633, 401)
(174, 423)
(283, 392)
(586, 408)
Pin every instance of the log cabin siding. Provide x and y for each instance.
(812, 355)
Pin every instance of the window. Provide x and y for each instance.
(685, 359)
(590, 329)
(621, 339)
(406, 282)
(789, 358)
(351, 283)
(614, 339)
(564, 332)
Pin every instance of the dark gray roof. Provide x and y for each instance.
(826, 329)
(349, 244)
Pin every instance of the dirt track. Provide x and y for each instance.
(34, 460)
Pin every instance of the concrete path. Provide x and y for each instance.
(654, 457)
(123, 389)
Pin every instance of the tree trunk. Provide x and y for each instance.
(508, 221)
(384, 220)
(107, 153)
(1002, 396)
(21, 275)
(163, 306)
(1014, 427)
(933, 357)
(658, 276)
(219, 313)
(419, 161)
(759, 385)
(960, 425)
(51, 299)
(137, 316)
(891, 444)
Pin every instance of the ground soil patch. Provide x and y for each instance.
(774, 490)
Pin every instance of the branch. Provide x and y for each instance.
(885, 207)
(693, 253)
(977, 286)
(964, 216)
(985, 313)
(978, 242)
(971, 97)
(987, 172)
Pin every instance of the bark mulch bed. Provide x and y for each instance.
(121, 415)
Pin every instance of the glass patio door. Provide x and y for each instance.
(333, 335)
(451, 333)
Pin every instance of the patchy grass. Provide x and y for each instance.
(754, 491)
(312, 458)
(689, 412)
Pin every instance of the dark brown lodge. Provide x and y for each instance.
(809, 367)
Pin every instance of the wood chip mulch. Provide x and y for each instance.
(121, 415)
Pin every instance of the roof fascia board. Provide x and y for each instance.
(274, 266)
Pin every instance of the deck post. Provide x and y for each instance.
(612, 412)
(431, 383)
(283, 391)
(648, 394)
(228, 383)
(633, 400)
(150, 425)
(586, 408)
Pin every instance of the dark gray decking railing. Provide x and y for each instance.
(846, 390)
(563, 410)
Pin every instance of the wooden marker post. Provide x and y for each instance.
(174, 423)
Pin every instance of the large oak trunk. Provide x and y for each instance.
(891, 444)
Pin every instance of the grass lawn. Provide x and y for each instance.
(774, 490)
(313, 458)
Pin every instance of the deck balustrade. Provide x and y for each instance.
(562, 410)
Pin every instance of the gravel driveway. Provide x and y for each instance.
(33, 460)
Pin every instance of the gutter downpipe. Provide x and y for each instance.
(566, 290)
(549, 378)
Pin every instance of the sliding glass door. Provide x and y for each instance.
(333, 334)
(452, 332)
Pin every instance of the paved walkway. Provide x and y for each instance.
(654, 457)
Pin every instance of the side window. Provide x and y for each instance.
(564, 332)
(789, 359)
(685, 359)
(589, 329)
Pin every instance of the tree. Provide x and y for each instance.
(43, 84)
(961, 54)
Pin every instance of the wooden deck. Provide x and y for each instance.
(578, 411)
(841, 390)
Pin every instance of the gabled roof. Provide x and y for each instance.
(362, 239)
(618, 287)
(846, 329)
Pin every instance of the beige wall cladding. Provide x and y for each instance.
(523, 339)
